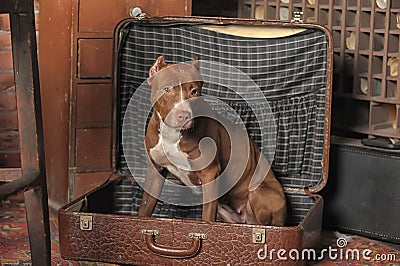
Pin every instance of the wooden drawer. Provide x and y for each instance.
(93, 148)
(93, 103)
(95, 17)
(94, 58)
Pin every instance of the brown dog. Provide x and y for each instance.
(174, 131)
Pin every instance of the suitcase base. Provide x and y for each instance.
(90, 230)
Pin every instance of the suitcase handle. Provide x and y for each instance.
(173, 252)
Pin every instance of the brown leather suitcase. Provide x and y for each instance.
(295, 60)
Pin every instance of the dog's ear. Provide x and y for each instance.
(196, 63)
(157, 66)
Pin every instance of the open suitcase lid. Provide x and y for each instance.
(291, 63)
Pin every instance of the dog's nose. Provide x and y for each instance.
(182, 116)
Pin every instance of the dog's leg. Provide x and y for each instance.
(210, 211)
(210, 201)
(266, 205)
(153, 185)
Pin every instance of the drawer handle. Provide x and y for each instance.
(174, 252)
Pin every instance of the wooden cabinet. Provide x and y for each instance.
(366, 46)
(75, 49)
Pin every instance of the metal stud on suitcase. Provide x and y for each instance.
(291, 63)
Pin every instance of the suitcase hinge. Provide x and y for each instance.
(297, 17)
(258, 236)
(86, 222)
(307, 191)
(136, 12)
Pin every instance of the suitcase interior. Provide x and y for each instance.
(291, 67)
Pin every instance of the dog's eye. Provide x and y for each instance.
(166, 88)
(194, 92)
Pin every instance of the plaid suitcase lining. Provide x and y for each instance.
(128, 194)
(290, 71)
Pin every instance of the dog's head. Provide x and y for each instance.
(174, 90)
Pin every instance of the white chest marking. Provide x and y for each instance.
(168, 154)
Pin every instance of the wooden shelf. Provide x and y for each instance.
(379, 31)
(364, 52)
(366, 30)
(385, 100)
(376, 42)
(357, 129)
(359, 97)
(387, 132)
(352, 8)
(366, 9)
(377, 76)
(324, 6)
(392, 78)
(378, 53)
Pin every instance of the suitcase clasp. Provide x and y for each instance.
(297, 17)
(150, 232)
(198, 235)
(86, 222)
(258, 236)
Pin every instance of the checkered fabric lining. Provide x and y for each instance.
(290, 71)
(128, 194)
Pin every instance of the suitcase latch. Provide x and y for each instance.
(258, 236)
(86, 222)
(198, 235)
(150, 232)
(297, 17)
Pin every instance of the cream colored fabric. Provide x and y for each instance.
(254, 31)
